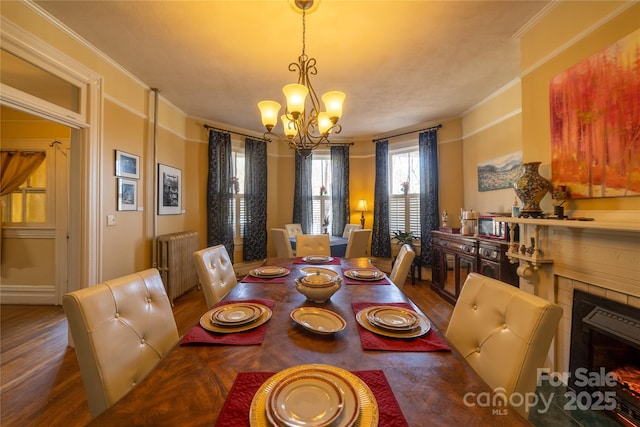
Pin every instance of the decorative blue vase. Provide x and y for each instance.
(531, 187)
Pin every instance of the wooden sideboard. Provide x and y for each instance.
(455, 256)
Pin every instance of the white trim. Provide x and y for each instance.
(494, 95)
(126, 107)
(35, 295)
(28, 233)
(497, 121)
(531, 23)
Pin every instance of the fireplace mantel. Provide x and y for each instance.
(601, 257)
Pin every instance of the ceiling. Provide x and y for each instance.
(401, 63)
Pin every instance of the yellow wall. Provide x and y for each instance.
(567, 35)
(514, 119)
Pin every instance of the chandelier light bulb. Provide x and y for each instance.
(289, 126)
(296, 95)
(324, 123)
(269, 111)
(333, 104)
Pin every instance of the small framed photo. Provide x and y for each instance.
(169, 190)
(127, 165)
(127, 194)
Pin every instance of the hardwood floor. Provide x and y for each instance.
(40, 383)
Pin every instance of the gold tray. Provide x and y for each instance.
(369, 413)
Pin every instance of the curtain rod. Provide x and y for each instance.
(407, 133)
(231, 131)
(257, 137)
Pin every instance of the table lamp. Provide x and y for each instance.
(362, 207)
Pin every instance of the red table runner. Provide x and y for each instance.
(198, 335)
(235, 412)
(350, 281)
(431, 341)
(251, 279)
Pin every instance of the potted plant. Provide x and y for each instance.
(403, 237)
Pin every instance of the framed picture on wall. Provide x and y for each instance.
(127, 194)
(127, 165)
(169, 190)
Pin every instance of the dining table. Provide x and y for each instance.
(337, 245)
(217, 379)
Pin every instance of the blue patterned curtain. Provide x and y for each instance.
(302, 194)
(340, 189)
(219, 192)
(255, 200)
(430, 217)
(381, 235)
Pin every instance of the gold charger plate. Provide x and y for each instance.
(423, 327)
(206, 323)
(353, 274)
(317, 259)
(368, 405)
(268, 272)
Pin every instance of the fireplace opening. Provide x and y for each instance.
(605, 355)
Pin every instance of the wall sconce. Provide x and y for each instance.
(362, 207)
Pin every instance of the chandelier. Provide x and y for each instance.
(304, 128)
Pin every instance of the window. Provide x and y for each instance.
(321, 179)
(404, 194)
(237, 190)
(27, 206)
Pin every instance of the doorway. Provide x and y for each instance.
(35, 224)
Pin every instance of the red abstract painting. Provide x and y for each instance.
(595, 123)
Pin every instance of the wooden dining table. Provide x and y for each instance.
(190, 384)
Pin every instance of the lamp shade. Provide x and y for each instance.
(324, 123)
(269, 111)
(296, 95)
(362, 206)
(289, 126)
(333, 104)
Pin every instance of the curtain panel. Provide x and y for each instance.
(255, 200)
(340, 189)
(16, 166)
(381, 234)
(302, 194)
(220, 192)
(429, 207)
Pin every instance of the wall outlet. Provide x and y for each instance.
(111, 220)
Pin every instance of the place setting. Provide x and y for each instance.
(233, 323)
(360, 276)
(317, 395)
(267, 274)
(317, 259)
(395, 326)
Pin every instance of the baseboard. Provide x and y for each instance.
(27, 295)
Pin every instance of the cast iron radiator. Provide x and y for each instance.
(175, 262)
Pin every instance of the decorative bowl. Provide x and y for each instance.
(318, 287)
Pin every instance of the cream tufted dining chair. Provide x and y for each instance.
(358, 243)
(504, 333)
(293, 229)
(282, 243)
(402, 265)
(215, 272)
(121, 329)
(350, 227)
(312, 244)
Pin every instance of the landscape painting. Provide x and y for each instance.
(500, 172)
(595, 123)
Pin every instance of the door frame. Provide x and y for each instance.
(85, 183)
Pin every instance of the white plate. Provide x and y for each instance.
(360, 406)
(394, 318)
(315, 270)
(423, 327)
(365, 274)
(269, 272)
(317, 259)
(235, 314)
(206, 323)
(318, 320)
(306, 400)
